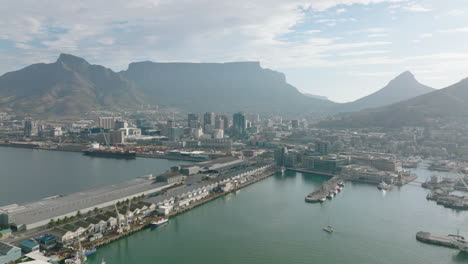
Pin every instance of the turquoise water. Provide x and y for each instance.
(27, 174)
(269, 222)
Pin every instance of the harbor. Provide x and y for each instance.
(355, 214)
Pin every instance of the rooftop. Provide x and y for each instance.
(56, 206)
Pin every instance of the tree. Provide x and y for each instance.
(78, 214)
(52, 223)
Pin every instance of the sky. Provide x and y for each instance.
(341, 49)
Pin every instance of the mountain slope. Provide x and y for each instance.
(67, 87)
(440, 106)
(225, 87)
(317, 96)
(402, 88)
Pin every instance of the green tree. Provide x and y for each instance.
(52, 223)
(78, 214)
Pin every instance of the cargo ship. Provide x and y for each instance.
(110, 153)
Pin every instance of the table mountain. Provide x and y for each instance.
(223, 87)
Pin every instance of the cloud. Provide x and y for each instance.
(377, 35)
(365, 52)
(425, 35)
(341, 10)
(455, 30)
(416, 8)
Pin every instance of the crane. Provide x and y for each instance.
(460, 176)
(127, 224)
(119, 229)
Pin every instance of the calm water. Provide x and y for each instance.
(27, 174)
(269, 222)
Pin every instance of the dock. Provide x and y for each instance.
(324, 190)
(438, 240)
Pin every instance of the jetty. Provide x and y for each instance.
(439, 240)
(324, 190)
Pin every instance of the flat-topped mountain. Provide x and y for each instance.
(225, 87)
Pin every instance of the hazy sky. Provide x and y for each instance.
(342, 49)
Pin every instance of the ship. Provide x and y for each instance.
(158, 223)
(90, 252)
(110, 153)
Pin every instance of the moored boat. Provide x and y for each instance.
(159, 222)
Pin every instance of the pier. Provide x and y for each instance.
(324, 190)
(439, 240)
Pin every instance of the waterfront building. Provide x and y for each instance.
(47, 242)
(5, 233)
(9, 253)
(117, 137)
(280, 155)
(131, 131)
(217, 143)
(39, 213)
(330, 164)
(107, 122)
(28, 246)
(322, 147)
(239, 124)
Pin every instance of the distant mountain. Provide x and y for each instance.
(67, 87)
(223, 87)
(439, 106)
(402, 88)
(71, 86)
(317, 96)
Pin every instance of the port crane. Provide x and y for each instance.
(119, 228)
(127, 224)
(461, 176)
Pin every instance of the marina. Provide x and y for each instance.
(328, 190)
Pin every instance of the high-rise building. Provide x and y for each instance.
(30, 128)
(193, 121)
(219, 123)
(171, 123)
(295, 123)
(209, 119)
(239, 124)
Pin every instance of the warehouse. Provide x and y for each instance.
(35, 214)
